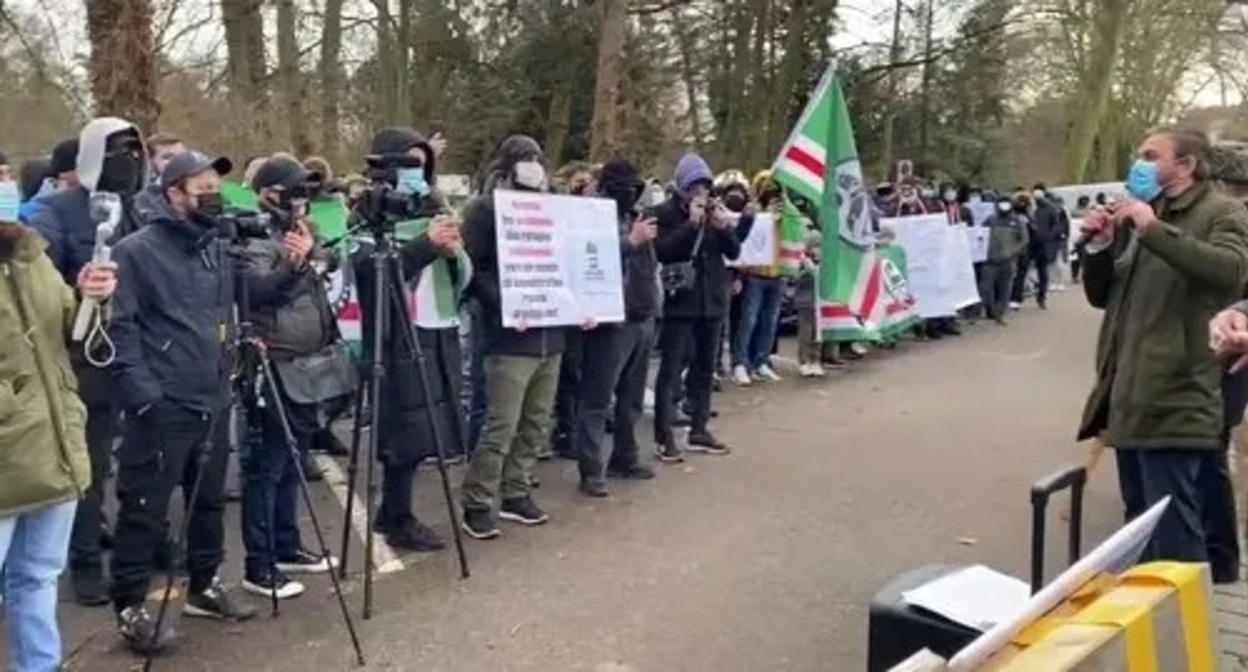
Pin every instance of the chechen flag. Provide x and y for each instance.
(862, 293)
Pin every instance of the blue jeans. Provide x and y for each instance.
(474, 399)
(271, 486)
(760, 312)
(34, 547)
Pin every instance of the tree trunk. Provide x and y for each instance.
(331, 77)
(291, 78)
(604, 139)
(684, 42)
(122, 65)
(245, 67)
(1094, 88)
(890, 116)
(925, 97)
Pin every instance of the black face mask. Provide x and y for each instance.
(208, 207)
(121, 174)
(735, 202)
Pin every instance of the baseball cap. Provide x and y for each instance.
(190, 164)
(65, 157)
(283, 173)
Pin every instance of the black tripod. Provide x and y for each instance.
(257, 383)
(388, 296)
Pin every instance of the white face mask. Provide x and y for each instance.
(530, 175)
(1038, 194)
(1004, 208)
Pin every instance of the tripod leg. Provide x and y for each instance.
(353, 466)
(456, 533)
(412, 342)
(292, 446)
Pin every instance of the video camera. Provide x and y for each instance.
(383, 205)
(237, 226)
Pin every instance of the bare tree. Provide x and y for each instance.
(123, 62)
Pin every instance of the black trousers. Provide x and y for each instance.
(567, 395)
(681, 340)
(1220, 515)
(84, 543)
(165, 448)
(1147, 476)
(617, 357)
(1032, 257)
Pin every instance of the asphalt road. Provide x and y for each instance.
(761, 561)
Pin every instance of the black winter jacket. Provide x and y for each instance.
(708, 298)
(642, 298)
(172, 320)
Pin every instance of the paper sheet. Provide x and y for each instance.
(977, 597)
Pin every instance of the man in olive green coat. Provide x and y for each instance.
(1161, 265)
(44, 468)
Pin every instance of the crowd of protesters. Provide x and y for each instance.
(155, 416)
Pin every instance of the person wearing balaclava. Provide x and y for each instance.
(696, 234)
(617, 356)
(110, 158)
(521, 365)
(434, 264)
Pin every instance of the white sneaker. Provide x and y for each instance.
(740, 376)
(765, 372)
(286, 588)
(1014, 305)
(858, 348)
(811, 370)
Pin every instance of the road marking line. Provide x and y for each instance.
(385, 560)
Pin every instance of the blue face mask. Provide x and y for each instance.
(411, 181)
(1142, 180)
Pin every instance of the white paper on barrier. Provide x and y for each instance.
(1117, 554)
(558, 259)
(977, 240)
(758, 248)
(940, 274)
(976, 596)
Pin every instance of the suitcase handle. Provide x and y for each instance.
(1073, 478)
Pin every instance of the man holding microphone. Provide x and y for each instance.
(1160, 265)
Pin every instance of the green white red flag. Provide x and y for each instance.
(792, 239)
(862, 286)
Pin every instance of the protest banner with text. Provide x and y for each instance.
(558, 259)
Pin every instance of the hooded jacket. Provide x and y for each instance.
(42, 421)
(678, 236)
(63, 218)
(642, 298)
(172, 320)
(482, 247)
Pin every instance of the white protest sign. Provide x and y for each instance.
(938, 259)
(980, 212)
(977, 241)
(758, 248)
(558, 259)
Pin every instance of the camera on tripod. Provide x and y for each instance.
(383, 204)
